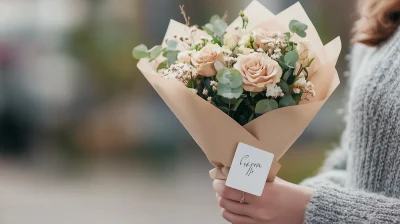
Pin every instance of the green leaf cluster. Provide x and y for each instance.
(230, 83)
(298, 28)
(170, 52)
(216, 28)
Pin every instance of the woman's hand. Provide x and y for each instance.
(281, 202)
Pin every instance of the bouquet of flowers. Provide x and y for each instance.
(259, 81)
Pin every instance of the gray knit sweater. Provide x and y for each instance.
(360, 181)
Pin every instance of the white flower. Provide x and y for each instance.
(242, 50)
(206, 38)
(231, 40)
(274, 91)
(185, 56)
(209, 99)
(193, 90)
(305, 52)
(301, 83)
(245, 40)
(296, 90)
(205, 92)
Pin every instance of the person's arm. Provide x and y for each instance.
(334, 204)
(284, 202)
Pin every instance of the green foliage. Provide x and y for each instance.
(238, 103)
(172, 56)
(264, 106)
(216, 28)
(253, 94)
(298, 28)
(140, 52)
(230, 77)
(287, 101)
(172, 45)
(284, 86)
(162, 65)
(287, 74)
(291, 58)
(297, 97)
(155, 52)
(230, 83)
(230, 93)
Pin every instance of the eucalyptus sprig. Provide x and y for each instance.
(216, 28)
(170, 52)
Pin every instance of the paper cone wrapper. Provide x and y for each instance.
(216, 133)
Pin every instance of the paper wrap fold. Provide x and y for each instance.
(216, 133)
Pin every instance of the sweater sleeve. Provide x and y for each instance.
(334, 204)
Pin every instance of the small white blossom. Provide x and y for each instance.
(193, 90)
(185, 56)
(205, 92)
(296, 90)
(209, 99)
(242, 50)
(215, 88)
(274, 91)
(206, 38)
(245, 41)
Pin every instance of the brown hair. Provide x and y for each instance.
(379, 20)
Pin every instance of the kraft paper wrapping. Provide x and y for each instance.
(216, 133)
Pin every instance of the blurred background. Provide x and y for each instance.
(85, 139)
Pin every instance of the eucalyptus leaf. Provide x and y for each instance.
(230, 77)
(291, 58)
(287, 74)
(162, 65)
(209, 28)
(264, 106)
(237, 105)
(172, 56)
(288, 36)
(287, 101)
(172, 45)
(301, 33)
(214, 18)
(298, 27)
(297, 97)
(155, 52)
(230, 93)
(140, 52)
(220, 27)
(228, 101)
(251, 117)
(284, 86)
(253, 94)
(282, 63)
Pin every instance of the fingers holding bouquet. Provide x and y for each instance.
(281, 202)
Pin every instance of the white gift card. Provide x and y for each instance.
(249, 170)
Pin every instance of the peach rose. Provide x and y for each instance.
(204, 59)
(258, 71)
